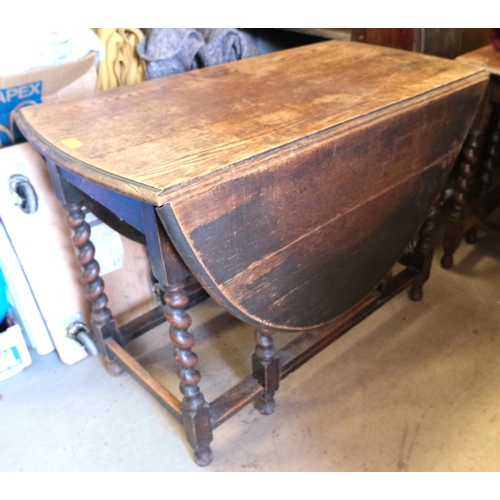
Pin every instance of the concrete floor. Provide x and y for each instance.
(414, 387)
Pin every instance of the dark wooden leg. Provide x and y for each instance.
(195, 410)
(491, 152)
(102, 321)
(455, 223)
(489, 163)
(265, 368)
(424, 251)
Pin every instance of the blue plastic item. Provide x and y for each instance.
(4, 304)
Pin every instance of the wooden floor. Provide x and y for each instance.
(412, 388)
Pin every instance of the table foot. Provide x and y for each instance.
(266, 406)
(471, 236)
(447, 261)
(416, 291)
(203, 457)
(112, 367)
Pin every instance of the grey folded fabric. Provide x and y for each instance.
(174, 50)
(224, 45)
(170, 50)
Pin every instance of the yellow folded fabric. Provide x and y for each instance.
(122, 66)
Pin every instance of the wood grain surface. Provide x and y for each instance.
(152, 138)
(299, 237)
(486, 58)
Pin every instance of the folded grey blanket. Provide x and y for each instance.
(174, 50)
(224, 45)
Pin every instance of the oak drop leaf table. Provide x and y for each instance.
(288, 185)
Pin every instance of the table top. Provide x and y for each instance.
(154, 138)
(289, 183)
(486, 58)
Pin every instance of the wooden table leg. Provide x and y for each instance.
(102, 321)
(265, 368)
(195, 410)
(424, 251)
(469, 159)
(455, 223)
(491, 151)
(488, 165)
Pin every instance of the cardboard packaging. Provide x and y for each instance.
(53, 83)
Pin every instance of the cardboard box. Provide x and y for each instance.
(53, 83)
